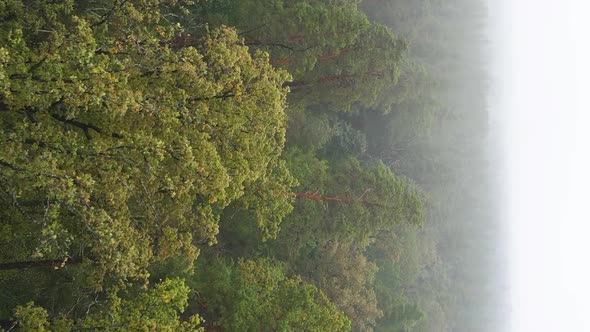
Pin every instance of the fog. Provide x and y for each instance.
(540, 52)
(301, 165)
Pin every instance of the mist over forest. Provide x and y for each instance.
(252, 165)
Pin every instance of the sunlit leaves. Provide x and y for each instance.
(125, 308)
(110, 133)
(255, 295)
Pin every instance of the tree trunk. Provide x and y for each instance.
(323, 79)
(335, 78)
(294, 84)
(284, 61)
(333, 55)
(42, 263)
(346, 200)
(318, 197)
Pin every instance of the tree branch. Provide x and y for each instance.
(259, 43)
(224, 95)
(42, 263)
(110, 13)
(86, 127)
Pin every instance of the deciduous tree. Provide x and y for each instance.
(109, 134)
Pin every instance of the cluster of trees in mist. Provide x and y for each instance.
(252, 165)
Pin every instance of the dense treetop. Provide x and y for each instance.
(252, 165)
(118, 135)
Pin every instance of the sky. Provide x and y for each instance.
(541, 91)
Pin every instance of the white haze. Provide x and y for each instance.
(540, 99)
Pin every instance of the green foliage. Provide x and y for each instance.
(347, 277)
(298, 32)
(255, 295)
(309, 130)
(111, 135)
(386, 198)
(346, 140)
(400, 255)
(125, 308)
(446, 90)
(325, 240)
(31, 318)
(337, 57)
(136, 135)
(356, 77)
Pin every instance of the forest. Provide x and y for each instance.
(252, 165)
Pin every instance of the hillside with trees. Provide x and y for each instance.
(255, 165)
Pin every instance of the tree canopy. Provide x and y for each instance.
(111, 134)
(252, 165)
